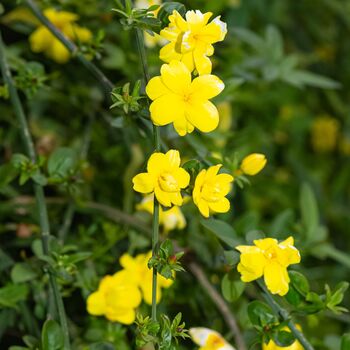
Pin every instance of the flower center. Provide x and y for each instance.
(211, 192)
(168, 183)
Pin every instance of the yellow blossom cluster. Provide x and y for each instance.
(118, 296)
(165, 179)
(42, 40)
(270, 259)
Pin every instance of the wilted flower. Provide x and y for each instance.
(171, 219)
(270, 259)
(178, 100)
(164, 178)
(191, 40)
(209, 339)
(116, 298)
(210, 189)
(253, 164)
(140, 275)
(42, 40)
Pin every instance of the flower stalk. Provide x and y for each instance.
(284, 314)
(156, 140)
(38, 189)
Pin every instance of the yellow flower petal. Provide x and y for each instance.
(167, 108)
(96, 304)
(182, 177)
(202, 62)
(174, 158)
(156, 163)
(143, 183)
(276, 278)
(221, 206)
(291, 254)
(182, 126)
(251, 266)
(122, 315)
(40, 39)
(155, 88)
(176, 77)
(203, 115)
(207, 86)
(266, 243)
(162, 197)
(58, 52)
(203, 208)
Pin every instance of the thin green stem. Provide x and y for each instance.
(156, 136)
(284, 315)
(38, 190)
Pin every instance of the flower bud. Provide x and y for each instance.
(253, 164)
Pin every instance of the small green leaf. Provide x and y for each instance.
(260, 314)
(22, 272)
(345, 342)
(283, 338)
(52, 336)
(299, 282)
(61, 161)
(231, 289)
(222, 230)
(11, 294)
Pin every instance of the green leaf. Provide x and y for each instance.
(309, 210)
(299, 282)
(7, 173)
(345, 342)
(222, 230)
(167, 9)
(300, 78)
(52, 336)
(283, 338)
(260, 314)
(231, 289)
(61, 162)
(11, 294)
(22, 272)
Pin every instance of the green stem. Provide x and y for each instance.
(39, 191)
(284, 314)
(156, 138)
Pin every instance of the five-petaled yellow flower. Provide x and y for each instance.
(210, 190)
(171, 219)
(42, 40)
(191, 40)
(116, 298)
(209, 339)
(253, 164)
(140, 275)
(271, 345)
(270, 259)
(164, 177)
(178, 100)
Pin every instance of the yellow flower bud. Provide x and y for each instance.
(253, 164)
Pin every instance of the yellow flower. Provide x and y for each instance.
(191, 40)
(253, 164)
(270, 259)
(178, 100)
(41, 40)
(271, 345)
(116, 299)
(209, 339)
(324, 134)
(170, 219)
(155, 39)
(140, 275)
(210, 189)
(164, 178)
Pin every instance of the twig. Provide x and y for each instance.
(38, 189)
(219, 302)
(156, 139)
(284, 314)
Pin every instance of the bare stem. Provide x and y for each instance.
(38, 189)
(284, 315)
